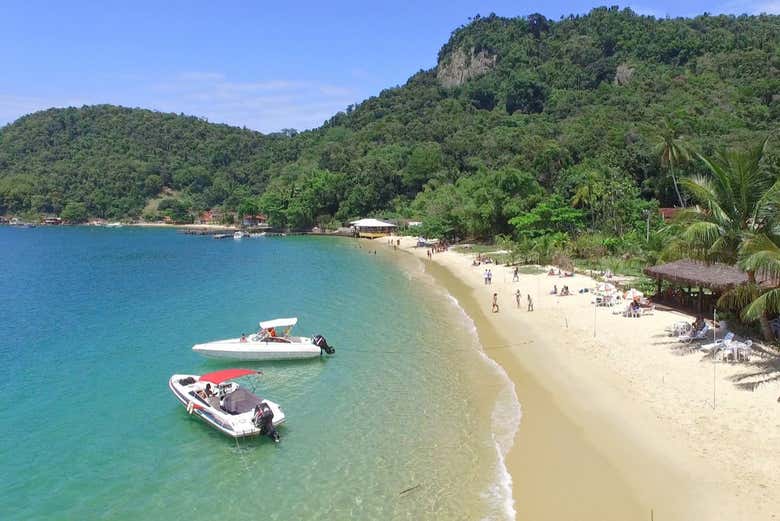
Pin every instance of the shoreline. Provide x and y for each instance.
(602, 438)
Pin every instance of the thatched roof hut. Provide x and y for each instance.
(715, 276)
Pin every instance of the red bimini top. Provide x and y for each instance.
(226, 374)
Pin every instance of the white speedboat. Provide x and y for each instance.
(227, 406)
(267, 344)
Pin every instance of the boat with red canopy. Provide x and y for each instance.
(227, 406)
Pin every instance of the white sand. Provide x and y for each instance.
(644, 403)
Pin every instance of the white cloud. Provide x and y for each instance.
(267, 105)
(201, 76)
(772, 7)
(13, 106)
(647, 11)
(750, 7)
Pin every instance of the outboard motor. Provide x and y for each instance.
(263, 420)
(320, 342)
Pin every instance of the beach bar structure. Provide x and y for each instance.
(372, 228)
(690, 275)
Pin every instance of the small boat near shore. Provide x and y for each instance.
(267, 344)
(225, 405)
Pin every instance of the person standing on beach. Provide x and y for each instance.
(485, 276)
(516, 275)
(517, 298)
(530, 303)
(495, 303)
(489, 277)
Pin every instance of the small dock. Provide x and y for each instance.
(209, 231)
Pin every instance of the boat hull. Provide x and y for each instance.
(250, 351)
(235, 426)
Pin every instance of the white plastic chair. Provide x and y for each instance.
(743, 350)
(679, 328)
(714, 346)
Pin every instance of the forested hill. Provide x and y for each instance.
(518, 113)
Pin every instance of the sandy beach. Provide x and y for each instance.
(620, 422)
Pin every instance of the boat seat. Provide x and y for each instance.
(213, 401)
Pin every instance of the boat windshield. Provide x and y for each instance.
(272, 332)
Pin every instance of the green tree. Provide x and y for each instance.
(177, 210)
(549, 217)
(74, 213)
(525, 94)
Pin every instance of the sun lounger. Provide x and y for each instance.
(698, 335)
(714, 346)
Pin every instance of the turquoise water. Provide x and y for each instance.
(94, 322)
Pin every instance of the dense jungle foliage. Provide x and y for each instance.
(582, 124)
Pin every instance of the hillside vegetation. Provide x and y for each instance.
(529, 128)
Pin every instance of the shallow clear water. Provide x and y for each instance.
(94, 321)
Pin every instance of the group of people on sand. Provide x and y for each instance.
(439, 247)
(518, 298)
(488, 277)
(557, 272)
(565, 292)
(482, 259)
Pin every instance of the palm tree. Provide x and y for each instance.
(737, 221)
(761, 261)
(588, 193)
(673, 151)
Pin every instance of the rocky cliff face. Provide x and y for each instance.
(461, 66)
(623, 74)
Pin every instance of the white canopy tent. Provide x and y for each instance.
(371, 223)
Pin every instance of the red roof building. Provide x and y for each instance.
(667, 214)
(254, 220)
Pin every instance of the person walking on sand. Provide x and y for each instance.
(517, 298)
(516, 275)
(490, 277)
(495, 303)
(485, 276)
(530, 303)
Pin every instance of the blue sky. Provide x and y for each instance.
(260, 64)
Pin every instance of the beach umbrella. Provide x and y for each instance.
(633, 294)
(606, 287)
